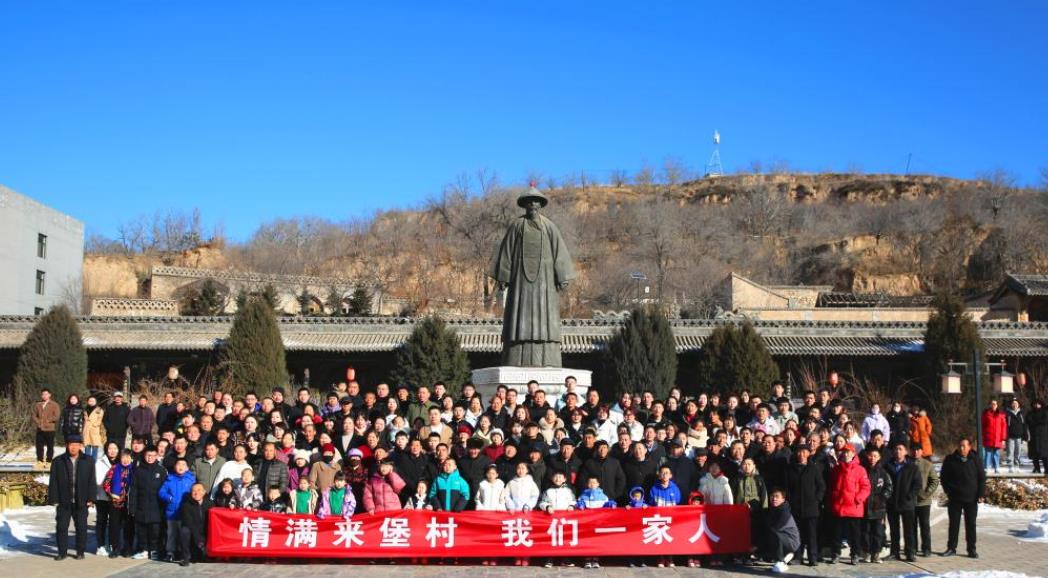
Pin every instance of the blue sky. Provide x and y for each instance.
(257, 110)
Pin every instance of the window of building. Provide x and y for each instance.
(41, 245)
(40, 282)
(38, 311)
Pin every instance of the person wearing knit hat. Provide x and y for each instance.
(298, 468)
(322, 474)
(494, 450)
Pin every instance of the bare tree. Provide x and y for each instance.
(999, 185)
(164, 233)
(71, 294)
(658, 237)
(762, 210)
(618, 177)
(644, 178)
(477, 217)
(674, 171)
(98, 244)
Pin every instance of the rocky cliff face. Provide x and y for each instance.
(112, 275)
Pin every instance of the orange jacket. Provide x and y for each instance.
(921, 433)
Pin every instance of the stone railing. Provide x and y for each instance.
(120, 307)
(251, 278)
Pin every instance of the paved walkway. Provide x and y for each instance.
(999, 549)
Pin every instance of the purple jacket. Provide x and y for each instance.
(349, 503)
(141, 420)
(294, 474)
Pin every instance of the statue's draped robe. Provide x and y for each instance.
(532, 260)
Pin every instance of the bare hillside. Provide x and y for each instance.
(868, 233)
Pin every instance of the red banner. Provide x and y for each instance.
(666, 531)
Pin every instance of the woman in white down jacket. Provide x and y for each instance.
(715, 488)
(491, 493)
(521, 496)
(521, 492)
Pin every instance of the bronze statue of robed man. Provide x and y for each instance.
(533, 266)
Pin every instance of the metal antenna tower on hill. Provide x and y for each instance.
(714, 168)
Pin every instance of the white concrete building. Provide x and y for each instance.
(41, 256)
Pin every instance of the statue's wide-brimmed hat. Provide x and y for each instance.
(532, 194)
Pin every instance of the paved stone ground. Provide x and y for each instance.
(999, 548)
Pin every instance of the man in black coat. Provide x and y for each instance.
(566, 461)
(473, 465)
(898, 424)
(144, 504)
(639, 468)
(685, 473)
(270, 471)
(167, 414)
(72, 489)
(1037, 424)
(806, 491)
(193, 532)
(413, 465)
(963, 479)
(771, 463)
(115, 420)
(902, 505)
(606, 469)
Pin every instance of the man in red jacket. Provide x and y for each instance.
(994, 434)
(848, 491)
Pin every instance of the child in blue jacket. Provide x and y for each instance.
(663, 494)
(591, 498)
(175, 487)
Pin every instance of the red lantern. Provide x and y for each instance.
(351, 374)
(1020, 378)
(833, 379)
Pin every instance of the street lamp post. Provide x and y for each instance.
(951, 384)
(637, 277)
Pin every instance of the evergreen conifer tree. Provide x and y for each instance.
(53, 355)
(205, 300)
(643, 354)
(334, 301)
(951, 334)
(432, 353)
(735, 357)
(360, 302)
(270, 296)
(254, 352)
(305, 299)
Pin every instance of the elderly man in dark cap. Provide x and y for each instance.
(72, 489)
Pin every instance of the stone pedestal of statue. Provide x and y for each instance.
(551, 379)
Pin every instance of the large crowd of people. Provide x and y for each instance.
(813, 478)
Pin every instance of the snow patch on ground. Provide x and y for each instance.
(25, 529)
(972, 574)
(1037, 529)
(12, 533)
(1008, 513)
